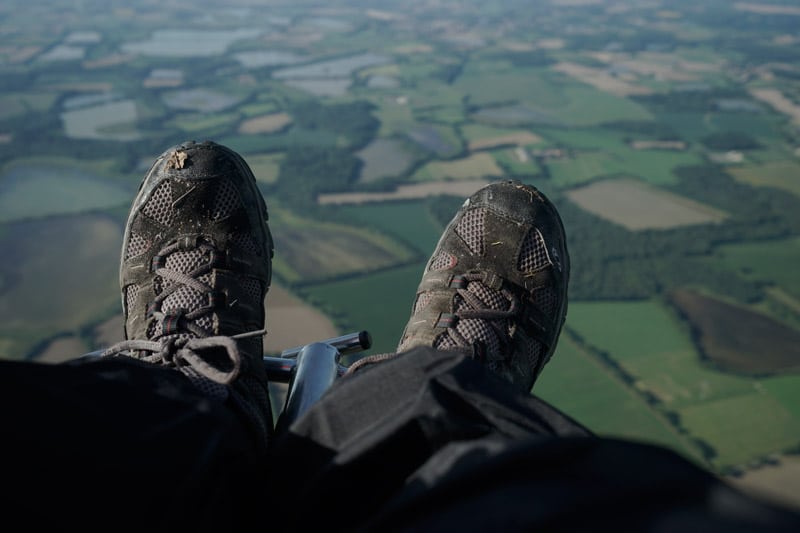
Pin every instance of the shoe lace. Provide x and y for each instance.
(177, 339)
(481, 316)
(176, 319)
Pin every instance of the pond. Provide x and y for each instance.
(383, 158)
(33, 190)
(189, 43)
(267, 58)
(205, 100)
(333, 68)
(93, 122)
(63, 52)
(432, 139)
(380, 81)
(322, 86)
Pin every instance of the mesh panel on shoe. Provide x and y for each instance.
(471, 229)
(245, 242)
(225, 201)
(443, 261)
(252, 288)
(136, 245)
(159, 206)
(533, 255)
(423, 299)
(546, 300)
(131, 292)
(534, 353)
(475, 329)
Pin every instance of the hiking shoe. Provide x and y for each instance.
(496, 283)
(196, 266)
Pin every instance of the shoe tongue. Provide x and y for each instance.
(477, 329)
(186, 299)
(493, 299)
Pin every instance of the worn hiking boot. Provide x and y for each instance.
(496, 283)
(196, 266)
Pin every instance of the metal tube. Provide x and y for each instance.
(352, 342)
(316, 370)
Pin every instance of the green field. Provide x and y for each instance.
(30, 190)
(743, 428)
(380, 303)
(410, 222)
(75, 277)
(654, 166)
(582, 387)
(767, 261)
(718, 408)
(306, 249)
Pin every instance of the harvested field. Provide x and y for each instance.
(109, 332)
(62, 349)
(309, 250)
(519, 139)
(779, 102)
(265, 123)
(600, 79)
(638, 206)
(767, 9)
(475, 166)
(265, 167)
(292, 322)
(737, 339)
(461, 188)
(779, 483)
(778, 174)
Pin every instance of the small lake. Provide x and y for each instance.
(383, 158)
(322, 86)
(382, 82)
(190, 43)
(333, 68)
(32, 190)
(205, 100)
(63, 52)
(267, 58)
(93, 122)
(431, 139)
(327, 24)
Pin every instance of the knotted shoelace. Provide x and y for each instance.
(182, 351)
(177, 338)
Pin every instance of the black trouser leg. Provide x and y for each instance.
(432, 441)
(118, 445)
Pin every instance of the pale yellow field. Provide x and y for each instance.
(779, 174)
(406, 192)
(475, 166)
(638, 206)
(600, 79)
(63, 349)
(779, 483)
(292, 322)
(767, 9)
(521, 138)
(265, 123)
(779, 102)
